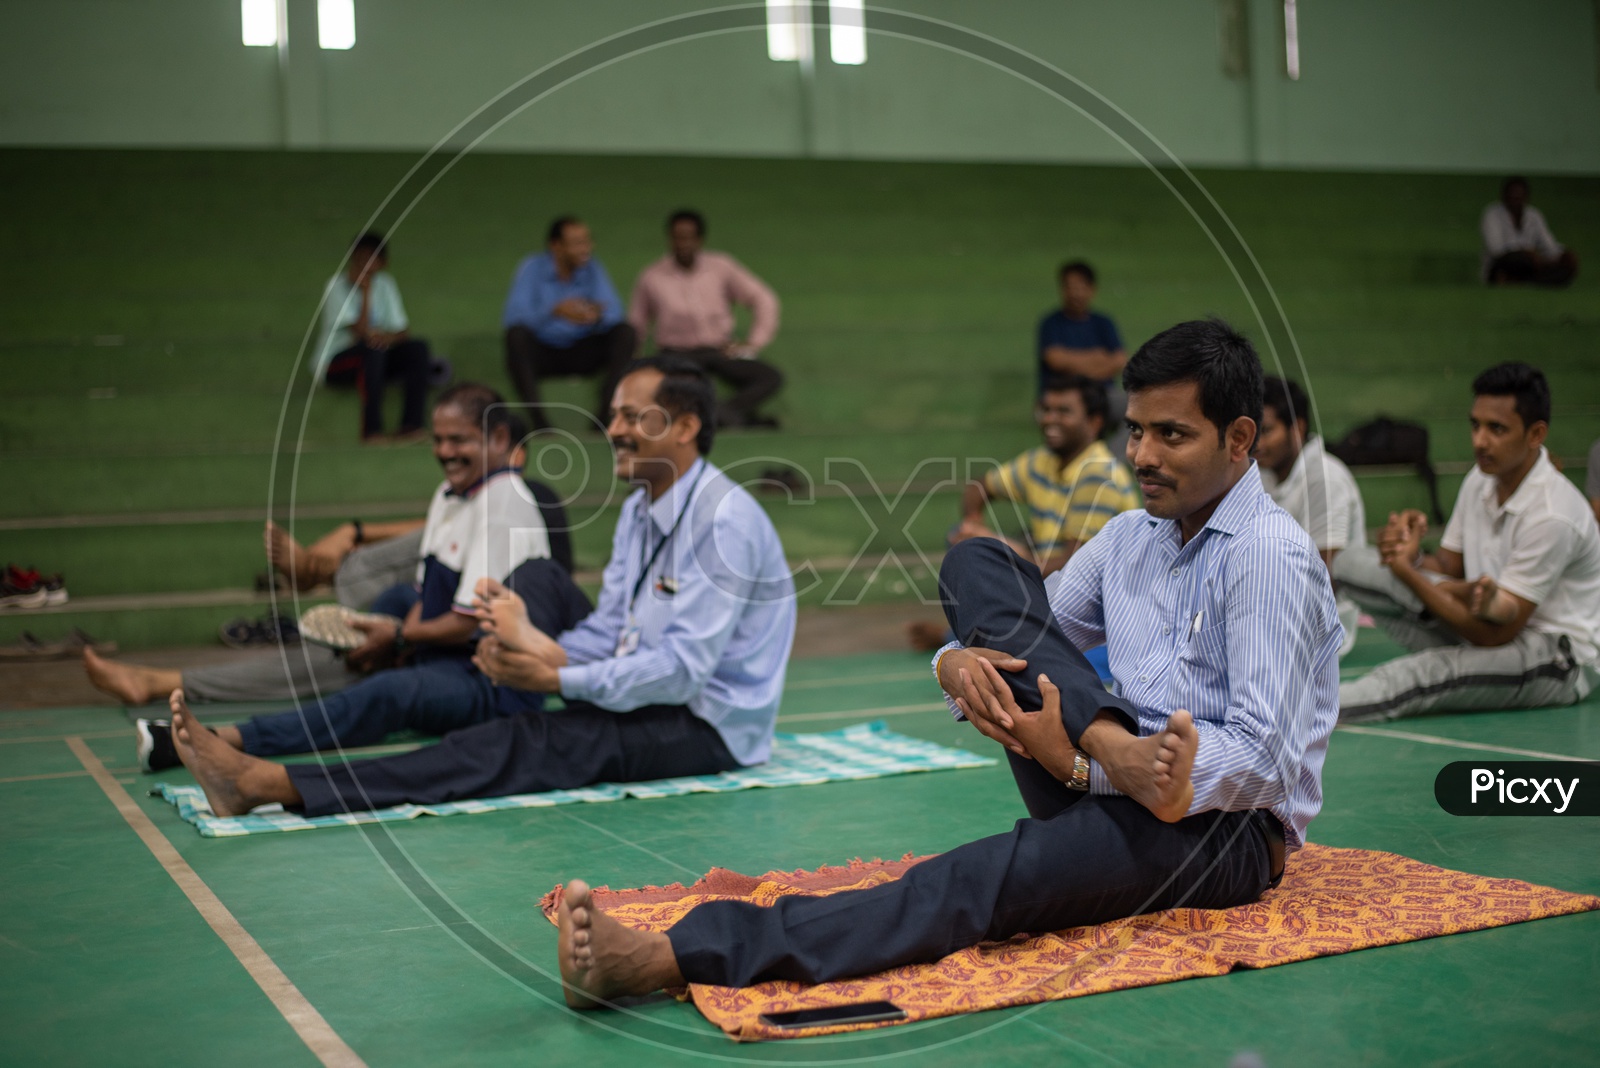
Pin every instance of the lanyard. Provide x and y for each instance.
(648, 564)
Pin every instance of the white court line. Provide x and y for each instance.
(1384, 732)
(865, 713)
(324, 1043)
(849, 680)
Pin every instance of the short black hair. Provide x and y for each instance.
(1095, 401)
(1526, 383)
(685, 389)
(1076, 267)
(559, 227)
(372, 243)
(1515, 179)
(1287, 400)
(485, 408)
(1211, 354)
(687, 215)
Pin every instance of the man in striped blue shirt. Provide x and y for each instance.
(1182, 788)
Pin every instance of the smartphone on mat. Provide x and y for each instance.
(862, 1012)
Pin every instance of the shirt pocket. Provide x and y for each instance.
(1202, 665)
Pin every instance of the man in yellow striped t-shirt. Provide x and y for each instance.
(1070, 486)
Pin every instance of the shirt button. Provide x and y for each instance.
(1144, 678)
(1174, 572)
(1166, 630)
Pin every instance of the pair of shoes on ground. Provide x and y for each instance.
(29, 647)
(270, 629)
(26, 588)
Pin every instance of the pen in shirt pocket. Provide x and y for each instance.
(1194, 627)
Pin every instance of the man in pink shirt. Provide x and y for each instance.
(687, 298)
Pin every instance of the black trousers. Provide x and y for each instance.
(529, 361)
(370, 371)
(752, 380)
(525, 753)
(1079, 858)
(1522, 267)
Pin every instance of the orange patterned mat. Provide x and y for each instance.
(1331, 901)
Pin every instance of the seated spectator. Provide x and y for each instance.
(1310, 484)
(365, 341)
(1517, 244)
(1519, 523)
(678, 671)
(482, 523)
(687, 297)
(1070, 486)
(562, 317)
(1076, 340)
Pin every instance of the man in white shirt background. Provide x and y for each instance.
(1518, 245)
(686, 298)
(1310, 484)
(1507, 613)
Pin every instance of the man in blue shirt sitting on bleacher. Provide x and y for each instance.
(563, 317)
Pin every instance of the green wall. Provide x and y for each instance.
(1418, 84)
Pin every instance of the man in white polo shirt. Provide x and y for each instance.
(1310, 484)
(1519, 529)
(483, 523)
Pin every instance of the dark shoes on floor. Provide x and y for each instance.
(156, 751)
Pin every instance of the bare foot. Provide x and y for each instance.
(290, 557)
(602, 960)
(234, 782)
(1157, 771)
(129, 683)
(504, 614)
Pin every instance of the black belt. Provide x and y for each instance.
(1272, 834)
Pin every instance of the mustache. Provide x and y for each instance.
(624, 443)
(1144, 474)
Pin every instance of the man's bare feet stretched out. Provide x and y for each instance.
(602, 960)
(234, 782)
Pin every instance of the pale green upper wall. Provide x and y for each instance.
(1436, 84)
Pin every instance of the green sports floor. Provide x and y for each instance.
(155, 305)
(421, 943)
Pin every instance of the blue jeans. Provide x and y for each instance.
(435, 697)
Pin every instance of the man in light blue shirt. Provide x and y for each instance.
(677, 672)
(366, 342)
(563, 317)
(1185, 787)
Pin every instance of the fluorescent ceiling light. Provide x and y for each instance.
(847, 32)
(336, 23)
(788, 29)
(258, 21)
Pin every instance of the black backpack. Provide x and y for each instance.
(1391, 441)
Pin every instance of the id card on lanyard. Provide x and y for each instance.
(628, 640)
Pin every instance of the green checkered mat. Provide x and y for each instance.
(864, 751)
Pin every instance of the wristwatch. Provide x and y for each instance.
(1080, 773)
(399, 642)
(361, 534)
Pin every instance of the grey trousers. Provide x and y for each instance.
(1445, 673)
(306, 670)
